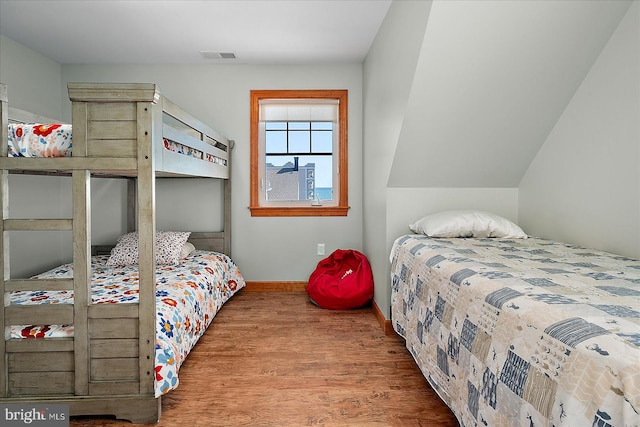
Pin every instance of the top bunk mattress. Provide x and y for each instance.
(55, 140)
(39, 140)
(116, 123)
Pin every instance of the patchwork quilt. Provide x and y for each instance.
(188, 296)
(521, 332)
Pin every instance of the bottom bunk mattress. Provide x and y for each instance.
(514, 332)
(188, 296)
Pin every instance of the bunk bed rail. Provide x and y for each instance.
(109, 112)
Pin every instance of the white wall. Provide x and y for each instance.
(33, 80)
(583, 186)
(32, 77)
(266, 249)
(388, 74)
(34, 84)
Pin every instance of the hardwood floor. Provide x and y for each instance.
(275, 359)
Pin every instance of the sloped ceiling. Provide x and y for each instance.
(492, 79)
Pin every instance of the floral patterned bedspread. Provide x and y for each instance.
(39, 140)
(185, 150)
(188, 296)
(55, 140)
(522, 332)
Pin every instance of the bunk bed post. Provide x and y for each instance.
(81, 277)
(81, 184)
(147, 113)
(4, 235)
(227, 204)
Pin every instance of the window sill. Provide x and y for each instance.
(299, 211)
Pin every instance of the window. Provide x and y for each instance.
(299, 153)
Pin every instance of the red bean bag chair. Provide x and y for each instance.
(341, 281)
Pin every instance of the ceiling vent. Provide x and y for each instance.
(207, 54)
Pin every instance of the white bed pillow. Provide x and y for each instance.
(169, 246)
(467, 223)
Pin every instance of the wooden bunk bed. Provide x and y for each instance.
(119, 130)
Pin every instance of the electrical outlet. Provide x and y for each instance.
(320, 249)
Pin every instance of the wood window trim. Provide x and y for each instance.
(342, 207)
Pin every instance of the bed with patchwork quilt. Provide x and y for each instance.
(521, 332)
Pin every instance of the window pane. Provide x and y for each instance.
(299, 125)
(322, 126)
(300, 142)
(283, 180)
(323, 175)
(275, 125)
(290, 178)
(279, 161)
(276, 141)
(322, 141)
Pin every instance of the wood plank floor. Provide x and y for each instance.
(274, 359)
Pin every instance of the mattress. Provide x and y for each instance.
(514, 332)
(39, 140)
(55, 140)
(188, 296)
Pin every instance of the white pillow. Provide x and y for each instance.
(467, 223)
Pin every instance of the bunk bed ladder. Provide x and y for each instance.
(28, 367)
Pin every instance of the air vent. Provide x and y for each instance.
(207, 54)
